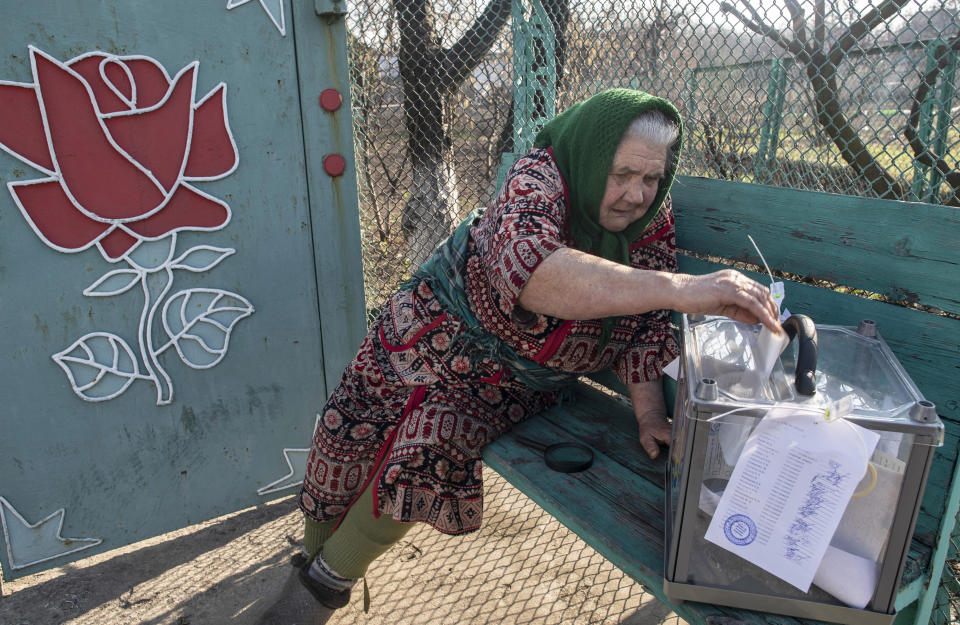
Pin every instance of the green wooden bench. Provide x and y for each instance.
(899, 250)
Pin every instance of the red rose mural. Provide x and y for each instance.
(121, 143)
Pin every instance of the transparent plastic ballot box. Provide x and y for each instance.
(721, 398)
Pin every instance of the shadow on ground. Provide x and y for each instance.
(521, 568)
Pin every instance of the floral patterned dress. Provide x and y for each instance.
(417, 399)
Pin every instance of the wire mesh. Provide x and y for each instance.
(855, 97)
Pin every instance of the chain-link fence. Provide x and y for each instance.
(853, 97)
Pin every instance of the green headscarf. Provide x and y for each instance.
(584, 139)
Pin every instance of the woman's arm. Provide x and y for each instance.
(651, 413)
(571, 284)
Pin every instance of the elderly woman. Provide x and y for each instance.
(571, 269)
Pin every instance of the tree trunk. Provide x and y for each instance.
(430, 75)
(821, 70)
(823, 78)
(432, 209)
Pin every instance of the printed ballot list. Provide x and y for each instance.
(789, 490)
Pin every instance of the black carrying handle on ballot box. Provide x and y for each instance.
(802, 327)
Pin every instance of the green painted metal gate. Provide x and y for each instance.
(180, 276)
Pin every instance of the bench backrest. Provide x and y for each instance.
(879, 249)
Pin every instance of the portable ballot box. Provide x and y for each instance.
(721, 402)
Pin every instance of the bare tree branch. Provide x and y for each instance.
(713, 146)
(830, 115)
(463, 56)
(797, 24)
(859, 29)
(766, 30)
(819, 24)
(757, 18)
(821, 70)
(430, 76)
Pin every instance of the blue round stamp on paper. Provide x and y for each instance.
(740, 529)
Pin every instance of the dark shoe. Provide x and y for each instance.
(294, 605)
(298, 559)
(333, 597)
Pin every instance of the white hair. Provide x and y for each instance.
(655, 128)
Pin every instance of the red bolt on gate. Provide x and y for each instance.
(334, 164)
(330, 100)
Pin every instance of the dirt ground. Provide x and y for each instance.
(521, 568)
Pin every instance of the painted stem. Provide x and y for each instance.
(155, 288)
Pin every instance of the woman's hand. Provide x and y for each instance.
(651, 413)
(728, 293)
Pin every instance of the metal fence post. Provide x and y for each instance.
(926, 180)
(534, 78)
(947, 91)
(928, 596)
(691, 88)
(772, 118)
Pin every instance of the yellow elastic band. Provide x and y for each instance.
(872, 470)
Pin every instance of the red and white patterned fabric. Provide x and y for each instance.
(416, 395)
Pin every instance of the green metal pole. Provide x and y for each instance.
(691, 88)
(948, 89)
(760, 166)
(781, 91)
(772, 118)
(522, 62)
(546, 73)
(947, 523)
(533, 81)
(919, 187)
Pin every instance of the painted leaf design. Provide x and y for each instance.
(201, 258)
(100, 366)
(199, 323)
(113, 283)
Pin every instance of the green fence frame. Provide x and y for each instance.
(934, 122)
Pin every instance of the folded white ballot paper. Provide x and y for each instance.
(848, 577)
(768, 348)
(788, 491)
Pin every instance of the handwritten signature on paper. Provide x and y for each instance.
(822, 491)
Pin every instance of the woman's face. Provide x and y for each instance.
(632, 183)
